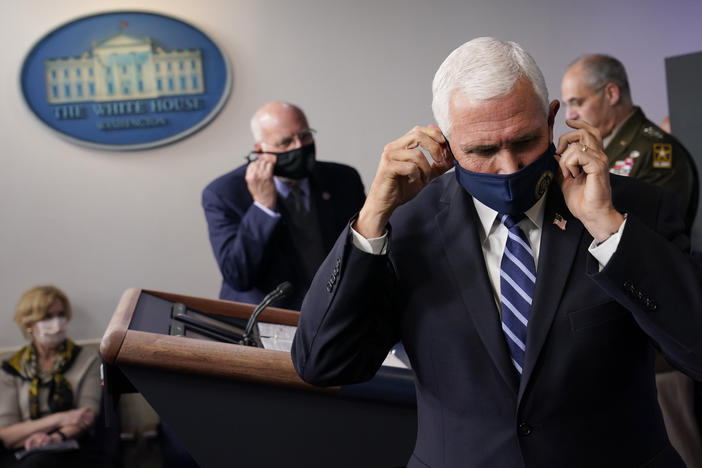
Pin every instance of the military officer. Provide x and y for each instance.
(595, 88)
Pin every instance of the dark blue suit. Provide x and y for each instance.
(254, 251)
(587, 397)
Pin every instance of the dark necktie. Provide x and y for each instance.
(295, 200)
(517, 280)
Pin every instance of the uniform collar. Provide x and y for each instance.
(623, 133)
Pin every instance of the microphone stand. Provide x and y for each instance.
(280, 291)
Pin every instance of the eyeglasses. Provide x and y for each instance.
(304, 136)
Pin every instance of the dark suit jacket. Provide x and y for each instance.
(254, 251)
(587, 397)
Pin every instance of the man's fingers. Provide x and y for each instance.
(410, 170)
(578, 158)
(260, 170)
(575, 136)
(439, 167)
(267, 157)
(266, 170)
(584, 133)
(429, 138)
(417, 158)
(583, 125)
(569, 164)
(403, 171)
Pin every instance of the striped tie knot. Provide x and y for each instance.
(511, 220)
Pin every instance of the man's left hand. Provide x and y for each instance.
(584, 180)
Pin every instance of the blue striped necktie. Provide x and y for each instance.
(517, 280)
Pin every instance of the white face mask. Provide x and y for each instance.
(51, 332)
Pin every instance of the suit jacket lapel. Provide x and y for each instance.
(558, 248)
(458, 225)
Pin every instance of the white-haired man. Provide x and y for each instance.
(275, 218)
(527, 288)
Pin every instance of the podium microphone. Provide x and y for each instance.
(282, 290)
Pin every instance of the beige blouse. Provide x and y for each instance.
(84, 376)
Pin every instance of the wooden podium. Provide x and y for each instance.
(232, 405)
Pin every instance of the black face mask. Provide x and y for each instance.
(293, 164)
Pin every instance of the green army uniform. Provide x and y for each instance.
(643, 150)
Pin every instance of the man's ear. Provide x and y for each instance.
(257, 145)
(612, 94)
(552, 111)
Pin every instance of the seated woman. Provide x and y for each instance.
(50, 389)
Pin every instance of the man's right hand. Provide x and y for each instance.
(402, 173)
(259, 180)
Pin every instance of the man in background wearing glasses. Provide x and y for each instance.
(595, 89)
(275, 218)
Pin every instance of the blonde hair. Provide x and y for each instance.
(33, 305)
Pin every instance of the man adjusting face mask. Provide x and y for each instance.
(269, 219)
(294, 164)
(513, 193)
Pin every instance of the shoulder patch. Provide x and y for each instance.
(662, 155)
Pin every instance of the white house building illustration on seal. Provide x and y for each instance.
(123, 67)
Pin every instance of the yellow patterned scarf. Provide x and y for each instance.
(24, 364)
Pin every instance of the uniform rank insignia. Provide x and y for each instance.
(623, 167)
(662, 155)
(653, 132)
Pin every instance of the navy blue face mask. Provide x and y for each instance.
(293, 164)
(511, 193)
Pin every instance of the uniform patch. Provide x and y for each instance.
(662, 155)
(634, 154)
(623, 167)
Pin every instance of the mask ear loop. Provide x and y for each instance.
(253, 155)
(448, 145)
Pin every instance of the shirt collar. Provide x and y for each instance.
(488, 216)
(284, 189)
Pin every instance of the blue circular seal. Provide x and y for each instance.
(126, 80)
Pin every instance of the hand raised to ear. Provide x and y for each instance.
(259, 180)
(584, 180)
(402, 173)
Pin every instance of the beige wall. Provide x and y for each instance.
(95, 223)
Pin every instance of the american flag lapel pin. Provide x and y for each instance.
(559, 221)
